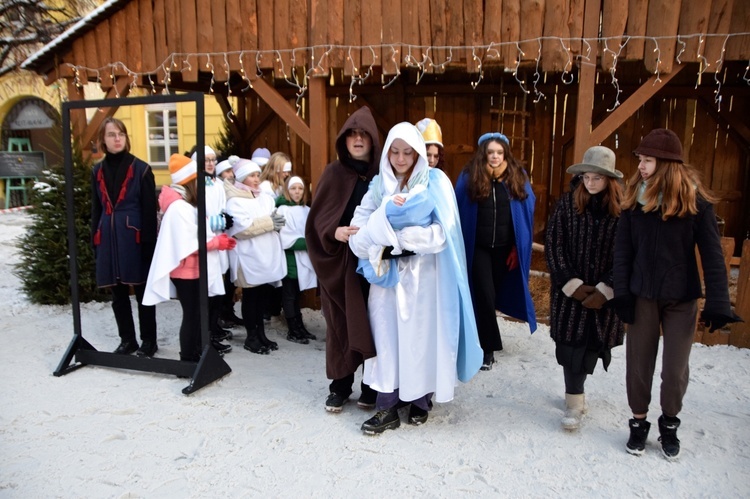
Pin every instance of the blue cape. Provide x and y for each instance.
(513, 299)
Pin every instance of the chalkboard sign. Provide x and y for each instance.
(22, 164)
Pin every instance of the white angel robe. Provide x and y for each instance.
(178, 239)
(261, 257)
(296, 218)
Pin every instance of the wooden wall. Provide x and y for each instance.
(144, 34)
(541, 132)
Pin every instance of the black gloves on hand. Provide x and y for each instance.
(582, 292)
(595, 300)
(714, 321)
(228, 220)
(625, 308)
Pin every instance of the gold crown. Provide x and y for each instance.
(431, 132)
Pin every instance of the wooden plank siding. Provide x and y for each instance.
(719, 22)
(353, 37)
(146, 33)
(216, 9)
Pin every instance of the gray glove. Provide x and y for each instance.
(278, 221)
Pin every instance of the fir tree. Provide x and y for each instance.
(226, 145)
(44, 268)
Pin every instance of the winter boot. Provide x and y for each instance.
(386, 419)
(270, 345)
(575, 408)
(638, 434)
(670, 444)
(307, 333)
(295, 333)
(253, 343)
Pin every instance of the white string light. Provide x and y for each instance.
(491, 51)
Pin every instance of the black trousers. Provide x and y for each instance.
(124, 313)
(488, 273)
(254, 303)
(190, 328)
(290, 297)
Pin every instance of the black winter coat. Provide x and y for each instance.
(655, 258)
(581, 246)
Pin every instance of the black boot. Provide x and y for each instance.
(270, 345)
(295, 333)
(638, 434)
(386, 419)
(670, 444)
(304, 330)
(253, 343)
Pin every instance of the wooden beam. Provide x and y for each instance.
(318, 135)
(77, 116)
(121, 88)
(258, 123)
(627, 109)
(586, 82)
(282, 108)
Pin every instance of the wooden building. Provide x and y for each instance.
(556, 76)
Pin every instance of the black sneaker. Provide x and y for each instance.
(221, 348)
(638, 434)
(126, 347)
(147, 349)
(383, 420)
(335, 402)
(670, 444)
(417, 415)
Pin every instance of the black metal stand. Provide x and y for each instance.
(211, 366)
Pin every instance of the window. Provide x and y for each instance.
(162, 135)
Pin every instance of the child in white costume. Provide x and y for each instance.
(419, 305)
(258, 262)
(300, 273)
(175, 268)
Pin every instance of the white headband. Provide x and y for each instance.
(293, 181)
(287, 166)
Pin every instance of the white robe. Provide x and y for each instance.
(415, 323)
(296, 218)
(261, 258)
(178, 239)
(216, 202)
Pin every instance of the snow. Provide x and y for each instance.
(262, 430)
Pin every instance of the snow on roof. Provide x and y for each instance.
(87, 21)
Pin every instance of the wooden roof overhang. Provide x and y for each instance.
(213, 45)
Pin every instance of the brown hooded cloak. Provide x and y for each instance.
(348, 336)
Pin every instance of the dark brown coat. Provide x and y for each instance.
(348, 336)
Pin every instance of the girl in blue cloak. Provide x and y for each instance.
(496, 205)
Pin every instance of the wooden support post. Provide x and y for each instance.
(586, 82)
(77, 116)
(318, 136)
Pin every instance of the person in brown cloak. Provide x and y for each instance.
(343, 292)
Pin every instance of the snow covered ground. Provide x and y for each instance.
(262, 430)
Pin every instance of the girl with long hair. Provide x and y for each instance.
(667, 212)
(496, 204)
